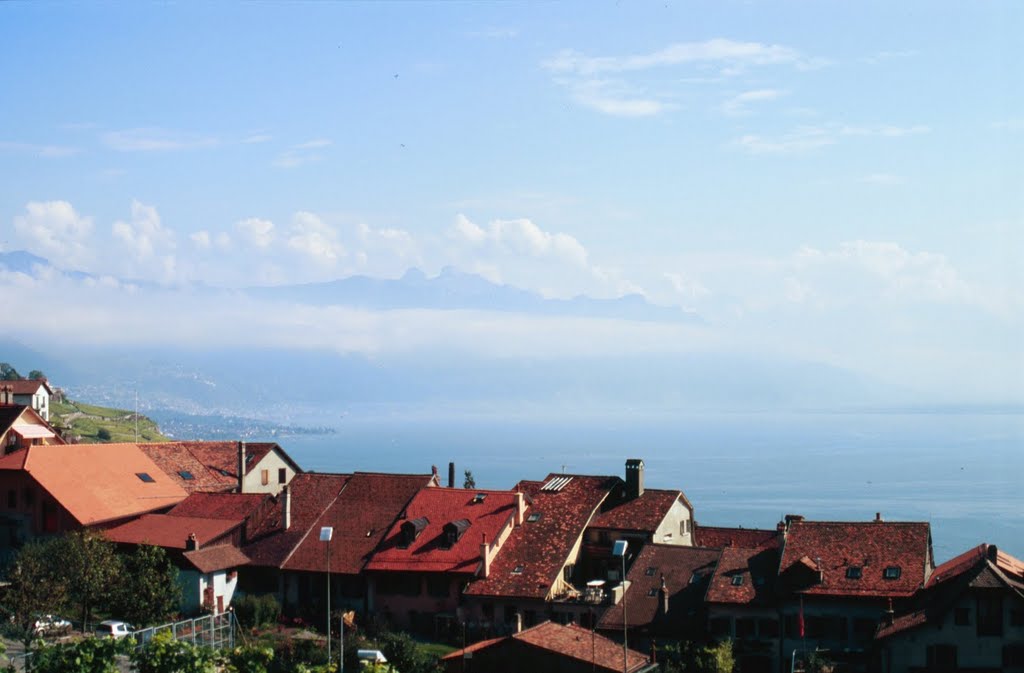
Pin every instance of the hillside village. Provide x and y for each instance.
(516, 577)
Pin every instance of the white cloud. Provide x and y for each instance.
(719, 50)
(616, 98)
(145, 236)
(45, 151)
(257, 232)
(155, 140)
(808, 138)
(200, 239)
(740, 104)
(53, 229)
(312, 237)
(523, 237)
(302, 153)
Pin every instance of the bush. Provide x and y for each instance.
(103, 434)
(256, 611)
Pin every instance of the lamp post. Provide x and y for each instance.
(620, 548)
(326, 533)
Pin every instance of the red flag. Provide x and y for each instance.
(800, 618)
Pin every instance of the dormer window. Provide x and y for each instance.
(891, 573)
(453, 531)
(853, 573)
(411, 530)
(737, 580)
(479, 497)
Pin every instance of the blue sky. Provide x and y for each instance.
(834, 181)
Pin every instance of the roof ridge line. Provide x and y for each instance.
(291, 553)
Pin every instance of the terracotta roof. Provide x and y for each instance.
(311, 494)
(171, 532)
(28, 386)
(982, 566)
(755, 569)
(835, 547)
(19, 414)
(213, 465)
(571, 641)
(98, 482)
(361, 516)
(438, 507)
(643, 514)
(747, 538)
(686, 571)
(217, 557)
(543, 546)
(234, 506)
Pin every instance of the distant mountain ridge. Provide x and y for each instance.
(451, 289)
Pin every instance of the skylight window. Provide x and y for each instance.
(694, 578)
(650, 571)
(737, 580)
(652, 591)
(144, 476)
(533, 518)
(853, 573)
(518, 570)
(891, 573)
(186, 475)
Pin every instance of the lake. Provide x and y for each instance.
(963, 472)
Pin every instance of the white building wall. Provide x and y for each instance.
(267, 469)
(676, 528)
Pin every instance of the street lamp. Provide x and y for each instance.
(620, 548)
(326, 533)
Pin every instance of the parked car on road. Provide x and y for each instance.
(50, 625)
(113, 628)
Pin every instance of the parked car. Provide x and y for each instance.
(113, 628)
(48, 625)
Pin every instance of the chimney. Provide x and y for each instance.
(434, 474)
(518, 628)
(889, 616)
(878, 517)
(485, 557)
(793, 518)
(992, 552)
(7, 394)
(520, 508)
(241, 467)
(663, 595)
(286, 508)
(191, 544)
(451, 475)
(634, 478)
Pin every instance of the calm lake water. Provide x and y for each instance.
(962, 472)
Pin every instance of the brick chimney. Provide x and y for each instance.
(663, 596)
(191, 544)
(878, 517)
(520, 508)
(634, 478)
(286, 508)
(241, 467)
(992, 552)
(7, 394)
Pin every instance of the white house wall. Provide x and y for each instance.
(676, 528)
(271, 463)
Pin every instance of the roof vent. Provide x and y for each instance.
(556, 484)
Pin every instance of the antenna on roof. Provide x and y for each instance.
(136, 412)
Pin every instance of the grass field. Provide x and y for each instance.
(90, 423)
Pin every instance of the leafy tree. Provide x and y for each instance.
(470, 482)
(405, 654)
(89, 655)
(89, 565)
(36, 586)
(148, 592)
(8, 373)
(164, 654)
(250, 659)
(36, 375)
(103, 434)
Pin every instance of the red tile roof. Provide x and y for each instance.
(311, 494)
(747, 538)
(27, 386)
(983, 565)
(171, 532)
(642, 514)
(440, 506)
(213, 465)
(369, 503)
(756, 569)
(833, 547)
(543, 546)
(686, 571)
(97, 483)
(234, 506)
(571, 641)
(218, 557)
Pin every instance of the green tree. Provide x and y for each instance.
(250, 659)
(89, 565)
(103, 434)
(36, 375)
(148, 592)
(470, 482)
(8, 373)
(89, 655)
(36, 586)
(164, 654)
(404, 653)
